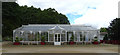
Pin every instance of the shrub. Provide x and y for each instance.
(21, 39)
(95, 39)
(72, 38)
(7, 39)
(43, 39)
(16, 40)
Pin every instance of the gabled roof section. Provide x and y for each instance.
(57, 28)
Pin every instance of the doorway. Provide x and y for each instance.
(57, 39)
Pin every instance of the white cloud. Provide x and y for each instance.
(62, 6)
(102, 16)
(106, 10)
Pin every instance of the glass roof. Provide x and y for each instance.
(46, 27)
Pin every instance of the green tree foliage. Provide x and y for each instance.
(13, 16)
(10, 18)
(103, 29)
(114, 29)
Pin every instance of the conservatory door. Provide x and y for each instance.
(57, 39)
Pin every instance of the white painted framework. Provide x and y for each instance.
(33, 31)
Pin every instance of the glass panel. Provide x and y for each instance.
(58, 37)
(45, 35)
(51, 31)
(84, 38)
(55, 37)
(30, 37)
(37, 36)
(81, 39)
(76, 36)
(51, 37)
(70, 35)
(89, 40)
(25, 37)
(80, 35)
(62, 37)
(57, 31)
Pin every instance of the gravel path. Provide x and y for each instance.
(0, 48)
(8, 48)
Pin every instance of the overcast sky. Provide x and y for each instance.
(97, 13)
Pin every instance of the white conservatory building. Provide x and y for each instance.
(55, 34)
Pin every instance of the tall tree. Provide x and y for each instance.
(14, 16)
(114, 29)
(10, 18)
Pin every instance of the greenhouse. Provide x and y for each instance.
(56, 34)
